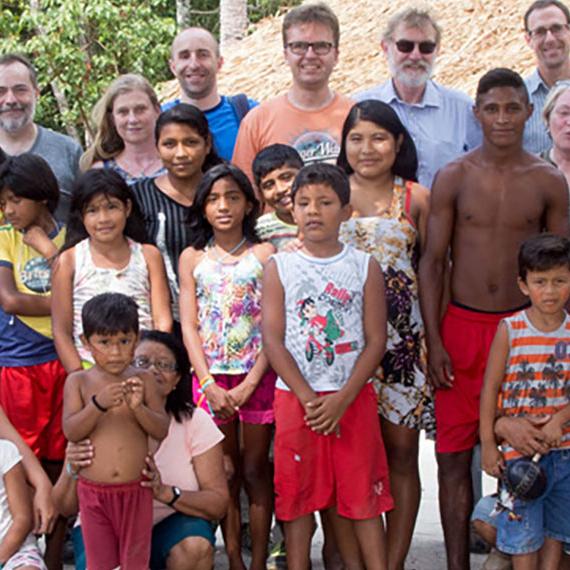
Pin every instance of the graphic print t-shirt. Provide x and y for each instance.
(324, 314)
(26, 340)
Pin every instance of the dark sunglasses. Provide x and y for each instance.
(407, 46)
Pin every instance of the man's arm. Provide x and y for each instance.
(273, 327)
(557, 205)
(433, 269)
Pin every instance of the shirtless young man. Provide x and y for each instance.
(483, 205)
(118, 407)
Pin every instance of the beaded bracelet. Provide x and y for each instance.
(208, 380)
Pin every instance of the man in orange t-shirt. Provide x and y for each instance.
(309, 117)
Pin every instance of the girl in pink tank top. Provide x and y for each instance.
(220, 312)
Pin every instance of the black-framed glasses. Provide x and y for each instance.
(556, 30)
(160, 365)
(301, 48)
(407, 46)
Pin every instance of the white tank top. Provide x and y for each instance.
(90, 280)
(324, 314)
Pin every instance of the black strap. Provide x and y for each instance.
(240, 105)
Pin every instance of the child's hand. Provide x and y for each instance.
(221, 402)
(294, 245)
(552, 431)
(324, 413)
(79, 455)
(241, 393)
(45, 513)
(111, 395)
(134, 392)
(36, 237)
(492, 460)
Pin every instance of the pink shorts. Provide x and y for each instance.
(257, 410)
(116, 522)
(32, 398)
(467, 336)
(315, 472)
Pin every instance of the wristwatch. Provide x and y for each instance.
(176, 492)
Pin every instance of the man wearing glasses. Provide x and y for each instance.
(310, 115)
(547, 30)
(440, 120)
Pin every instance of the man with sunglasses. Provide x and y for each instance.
(309, 117)
(547, 32)
(440, 120)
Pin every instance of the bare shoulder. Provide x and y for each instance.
(263, 251)
(190, 258)
(452, 176)
(66, 258)
(420, 195)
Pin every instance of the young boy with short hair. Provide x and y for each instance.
(528, 374)
(324, 332)
(274, 169)
(118, 407)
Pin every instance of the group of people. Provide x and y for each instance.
(202, 280)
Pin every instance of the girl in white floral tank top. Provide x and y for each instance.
(101, 255)
(389, 220)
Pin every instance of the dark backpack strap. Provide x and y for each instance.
(240, 106)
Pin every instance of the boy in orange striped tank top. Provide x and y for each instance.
(528, 374)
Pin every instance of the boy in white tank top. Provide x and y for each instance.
(324, 332)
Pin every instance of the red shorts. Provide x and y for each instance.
(467, 336)
(257, 410)
(32, 398)
(116, 523)
(315, 472)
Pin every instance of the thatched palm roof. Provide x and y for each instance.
(477, 36)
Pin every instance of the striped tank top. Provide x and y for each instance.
(537, 374)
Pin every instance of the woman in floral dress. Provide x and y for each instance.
(389, 222)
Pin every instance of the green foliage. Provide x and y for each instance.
(82, 45)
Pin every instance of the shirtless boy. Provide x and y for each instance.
(483, 206)
(118, 408)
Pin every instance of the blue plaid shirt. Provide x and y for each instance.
(536, 137)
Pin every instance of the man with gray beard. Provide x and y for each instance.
(440, 120)
(19, 94)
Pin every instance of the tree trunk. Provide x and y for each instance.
(233, 21)
(59, 95)
(183, 13)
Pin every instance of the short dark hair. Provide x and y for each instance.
(179, 401)
(500, 77)
(540, 4)
(10, 58)
(322, 173)
(316, 12)
(273, 157)
(200, 230)
(194, 118)
(382, 115)
(543, 252)
(30, 176)
(109, 314)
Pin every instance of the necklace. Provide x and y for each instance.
(220, 258)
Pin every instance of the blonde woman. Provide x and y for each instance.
(124, 119)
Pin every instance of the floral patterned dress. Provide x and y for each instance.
(404, 395)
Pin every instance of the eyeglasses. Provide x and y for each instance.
(161, 365)
(407, 46)
(556, 30)
(301, 48)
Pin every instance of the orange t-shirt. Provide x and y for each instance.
(314, 134)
